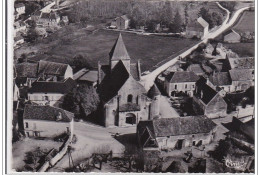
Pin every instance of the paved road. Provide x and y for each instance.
(148, 80)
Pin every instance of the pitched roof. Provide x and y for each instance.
(240, 74)
(182, 76)
(118, 51)
(220, 79)
(232, 32)
(196, 68)
(86, 75)
(18, 38)
(37, 13)
(134, 70)
(202, 22)
(112, 83)
(242, 63)
(52, 68)
(53, 87)
(125, 17)
(179, 126)
(19, 5)
(154, 91)
(194, 26)
(48, 113)
(204, 91)
(26, 70)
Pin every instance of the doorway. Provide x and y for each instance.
(130, 119)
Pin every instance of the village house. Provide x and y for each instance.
(19, 8)
(121, 22)
(207, 101)
(220, 80)
(50, 93)
(232, 37)
(175, 133)
(197, 69)
(242, 79)
(122, 96)
(85, 76)
(198, 28)
(46, 121)
(48, 19)
(180, 82)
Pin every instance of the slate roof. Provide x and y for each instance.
(220, 79)
(53, 87)
(196, 68)
(154, 91)
(242, 63)
(129, 107)
(240, 74)
(118, 51)
(182, 76)
(52, 68)
(206, 91)
(112, 83)
(47, 113)
(26, 70)
(134, 71)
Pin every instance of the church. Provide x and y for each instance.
(124, 100)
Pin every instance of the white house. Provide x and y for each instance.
(46, 121)
(198, 28)
(121, 22)
(50, 92)
(19, 8)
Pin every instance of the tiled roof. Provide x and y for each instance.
(53, 87)
(182, 76)
(47, 113)
(134, 71)
(86, 75)
(129, 107)
(242, 63)
(220, 79)
(204, 91)
(240, 74)
(119, 52)
(26, 70)
(52, 68)
(182, 126)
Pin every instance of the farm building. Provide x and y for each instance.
(232, 37)
(198, 28)
(242, 79)
(85, 76)
(180, 82)
(175, 133)
(121, 22)
(207, 101)
(220, 80)
(46, 121)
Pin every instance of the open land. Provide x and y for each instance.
(246, 22)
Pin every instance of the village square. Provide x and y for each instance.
(133, 86)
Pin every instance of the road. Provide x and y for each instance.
(148, 80)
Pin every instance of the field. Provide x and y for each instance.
(246, 22)
(242, 49)
(95, 46)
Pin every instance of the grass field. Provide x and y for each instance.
(246, 22)
(63, 45)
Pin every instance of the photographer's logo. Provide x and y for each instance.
(234, 163)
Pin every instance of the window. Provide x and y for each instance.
(175, 86)
(28, 134)
(130, 98)
(193, 143)
(186, 86)
(26, 125)
(36, 134)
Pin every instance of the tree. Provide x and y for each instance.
(79, 62)
(32, 35)
(229, 5)
(31, 7)
(176, 25)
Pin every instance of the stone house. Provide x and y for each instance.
(207, 101)
(232, 37)
(220, 80)
(50, 92)
(50, 19)
(121, 22)
(242, 79)
(19, 8)
(180, 82)
(46, 121)
(198, 28)
(123, 98)
(175, 133)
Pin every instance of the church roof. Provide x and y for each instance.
(154, 91)
(119, 52)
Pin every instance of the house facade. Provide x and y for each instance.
(175, 133)
(50, 92)
(198, 28)
(46, 121)
(207, 101)
(123, 98)
(180, 82)
(19, 8)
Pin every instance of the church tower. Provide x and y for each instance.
(119, 52)
(155, 94)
